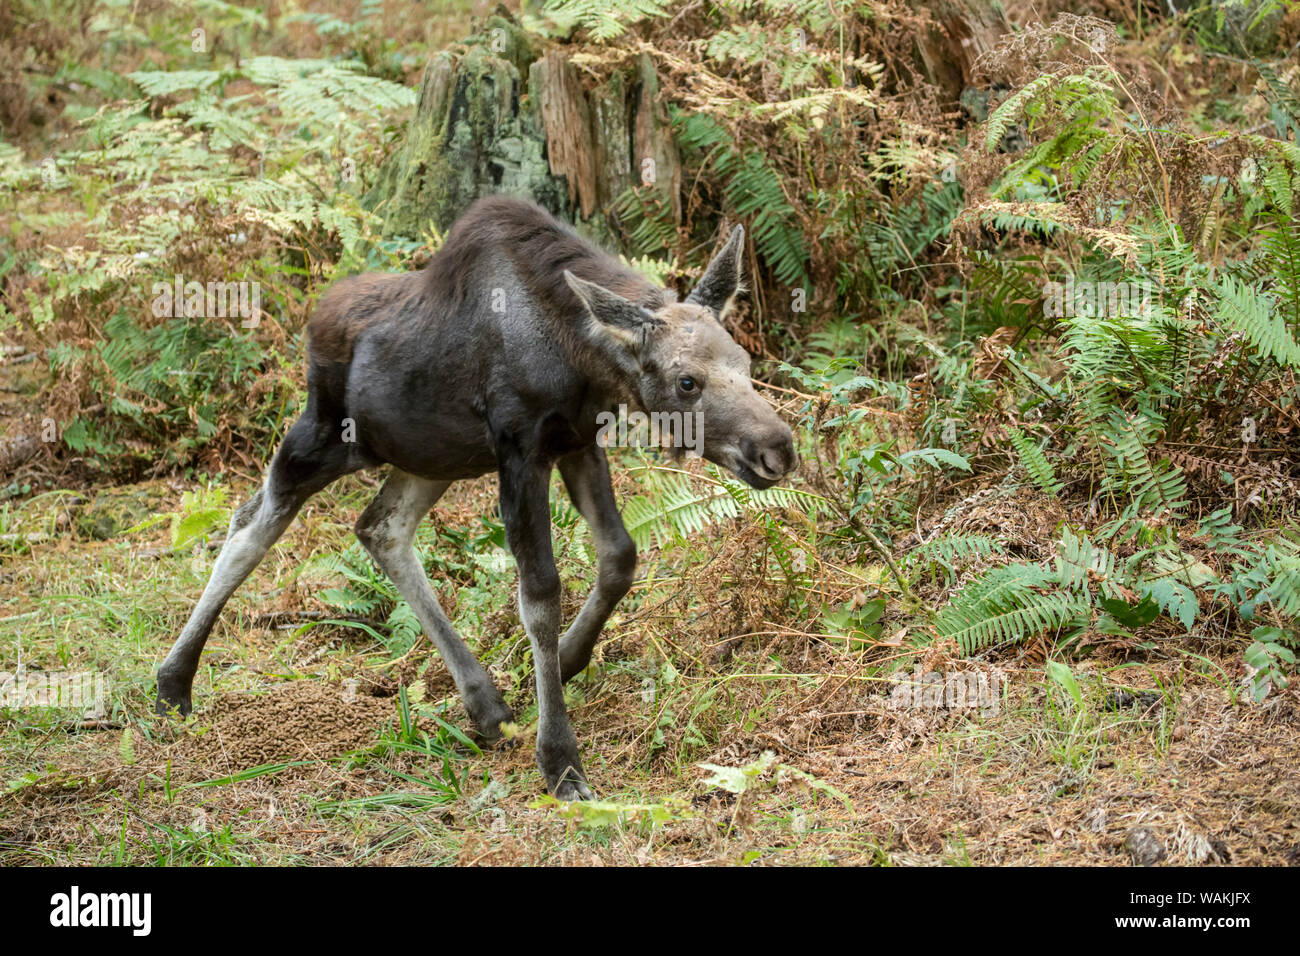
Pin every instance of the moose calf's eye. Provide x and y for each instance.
(687, 384)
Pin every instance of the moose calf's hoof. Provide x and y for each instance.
(570, 787)
(173, 697)
(562, 770)
(490, 714)
(172, 705)
(499, 731)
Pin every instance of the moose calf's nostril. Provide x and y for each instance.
(786, 457)
(780, 458)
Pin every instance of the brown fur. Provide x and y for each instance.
(538, 247)
(350, 305)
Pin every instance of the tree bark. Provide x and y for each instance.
(964, 30)
(501, 114)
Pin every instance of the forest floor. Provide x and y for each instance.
(298, 751)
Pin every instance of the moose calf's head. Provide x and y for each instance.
(684, 361)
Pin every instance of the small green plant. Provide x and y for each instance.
(614, 814)
(764, 772)
(1269, 657)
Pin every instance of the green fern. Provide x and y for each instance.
(678, 507)
(948, 553)
(1285, 102)
(647, 217)
(1007, 605)
(1252, 313)
(1035, 462)
(1280, 266)
(604, 20)
(1176, 600)
(368, 593)
(753, 190)
(1157, 486)
(1270, 576)
(1222, 535)
(1080, 563)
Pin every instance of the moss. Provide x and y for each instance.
(478, 131)
(472, 135)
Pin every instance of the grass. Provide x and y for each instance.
(1046, 778)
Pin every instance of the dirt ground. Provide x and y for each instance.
(923, 792)
(300, 753)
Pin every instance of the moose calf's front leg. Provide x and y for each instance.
(586, 475)
(525, 506)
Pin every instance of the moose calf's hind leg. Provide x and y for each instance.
(387, 530)
(309, 459)
(255, 526)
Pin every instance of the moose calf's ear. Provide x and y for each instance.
(609, 308)
(721, 282)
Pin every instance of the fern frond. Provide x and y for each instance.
(1007, 605)
(604, 20)
(950, 551)
(1080, 562)
(648, 219)
(753, 189)
(1176, 600)
(1034, 461)
(678, 507)
(1250, 312)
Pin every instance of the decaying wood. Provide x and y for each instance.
(16, 451)
(653, 136)
(500, 115)
(566, 121)
(964, 30)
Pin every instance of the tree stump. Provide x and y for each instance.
(966, 29)
(500, 115)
